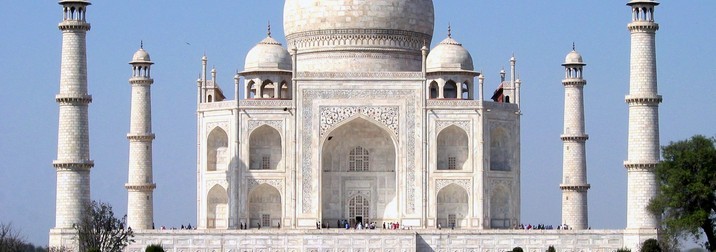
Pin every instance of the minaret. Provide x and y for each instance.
(140, 206)
(643, 101)
(73, 161)
(574, 161)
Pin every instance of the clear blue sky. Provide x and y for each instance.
(176, 34)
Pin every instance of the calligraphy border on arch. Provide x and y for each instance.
(211, 125)
(307, 152)
(276, 183)
(335, 115)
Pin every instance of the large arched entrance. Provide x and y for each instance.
(452, 206)
(264, 207)
(358, 165)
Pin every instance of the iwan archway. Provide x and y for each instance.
(358, 174)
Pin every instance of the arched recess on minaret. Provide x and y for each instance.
(217, 208)
(265, 206)
(500, 153)
(265, 148)
(452, 148)
(452, 206)
(217, 154)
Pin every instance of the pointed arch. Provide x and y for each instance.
(285, 91)
(265, 148)
(500, 212)
(452, 206)
(466, 90)
(217, 154)
(251, 90)
(268, 89)
(217, 208)
(452, 148)
(433, 89)
(265, 208)
(500, 153)
(450, 90)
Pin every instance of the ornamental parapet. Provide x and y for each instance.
(302, 76)
(134, 137)
(643, 26)
(575, 138)
(209, 106)
(69, 99)
(74, 25)
(72, 165)
(640, 166)
(576, 188)
(643, 100)
(141, 187)
(574, 82)
(266, 103)
(454, 104)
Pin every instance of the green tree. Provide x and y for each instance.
(551, 249)
(100, 230)
(154, 248)
(623, 250)
(517, 249)
(10, 239)
(687, 182)
(650, 245)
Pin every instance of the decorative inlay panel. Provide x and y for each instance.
(464, 183)
(253, 183)
(464, 124)
(276, 124)
(211, 125)
(307, 150)
(388, 116)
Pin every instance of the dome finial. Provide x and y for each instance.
(449, 30)
(269, 28)
(141, 44)
(574, 46)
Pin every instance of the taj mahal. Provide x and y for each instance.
(359, 120)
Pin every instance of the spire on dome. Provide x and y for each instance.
(449, 30)
(269, 28)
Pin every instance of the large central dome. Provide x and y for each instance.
(358, 35)
(405, 15)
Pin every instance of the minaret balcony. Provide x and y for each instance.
(648, 166)
(575, 138)
(574, 82)
(72, 165)
(69, 99)
(577, 188)
(141, 81)
(141, 187)
(74, 25)
(643, 26)
(643, 100)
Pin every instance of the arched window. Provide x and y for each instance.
(284, 91)
(358, 160)
(358, 206)
(465, 91)
(217, 150)
(450, 90)
(217, 208)
(452, 148)
(433, 90)
(210, 99)
(267, 89)
(264, 148)
(500, 153)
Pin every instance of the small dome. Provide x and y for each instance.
(268, 55)
(141, 56)
(449, 55)
(573, 58)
